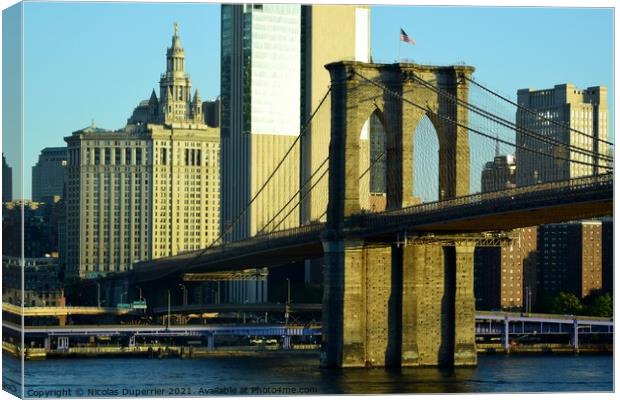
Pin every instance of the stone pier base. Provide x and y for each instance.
(390, 306)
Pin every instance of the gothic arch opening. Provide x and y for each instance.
(425, 142)
(373, 166)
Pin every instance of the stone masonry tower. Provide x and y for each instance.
(175, 87)
(383, 304)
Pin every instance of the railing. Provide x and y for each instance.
(385, 221)
(550, 190)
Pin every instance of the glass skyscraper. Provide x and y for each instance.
(272, 79)
(261, 53)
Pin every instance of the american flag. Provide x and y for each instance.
(405, 38)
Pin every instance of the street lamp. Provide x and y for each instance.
(122, 294)
(140, 291)
(288, 301)
(168, 319)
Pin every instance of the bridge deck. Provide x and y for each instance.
(495, 322)
(508, 209)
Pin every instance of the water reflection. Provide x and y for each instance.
(495, 373)
(406, 380)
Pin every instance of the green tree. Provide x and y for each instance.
(566, 303)
(602, 306)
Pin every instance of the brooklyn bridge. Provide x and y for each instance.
(399, 279)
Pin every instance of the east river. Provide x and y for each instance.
(300, 374)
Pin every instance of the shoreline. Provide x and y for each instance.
(162, 352)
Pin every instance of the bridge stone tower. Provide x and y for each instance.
(387, 305)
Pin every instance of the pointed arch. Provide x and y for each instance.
(372, 165)
(425, 167)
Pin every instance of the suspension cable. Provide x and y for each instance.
(294, 196)
(472, 129)
(508, 124)
(372, 164)
(533, 112)
(280, 163)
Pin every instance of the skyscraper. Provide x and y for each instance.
(330, 33)
(49, 174)
(499, 174)
(505, 276)
(272, 80)
(149, 190)
(575, 118)
(260, 78)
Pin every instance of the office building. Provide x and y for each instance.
(211, 112)
(608, 254)
(499, 174)
(42, 286)
(331, 33)
(505, 277)
(7, 181)
(36, 223)
(49, 174)
(561, 114)
(273, 78)
(569, 258)
(148, 190)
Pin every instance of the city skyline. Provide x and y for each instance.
(127, 60)
(349, 196)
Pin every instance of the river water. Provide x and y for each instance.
(300, 374)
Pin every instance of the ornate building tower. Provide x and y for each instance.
(175, 87)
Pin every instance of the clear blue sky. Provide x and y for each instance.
(96, 61)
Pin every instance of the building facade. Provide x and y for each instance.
(211, 112)
(273, 78)
(7, 181)
(42, 286)
(149, 190)
(505, 277)
(499, 174)
(329, 33)
(35, 223)
(49, 174)
(576, 118)
(570, 258)
(608, 254)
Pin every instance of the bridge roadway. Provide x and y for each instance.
(191, 308)
(63, 311)
(487, 323)
(502, 210)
